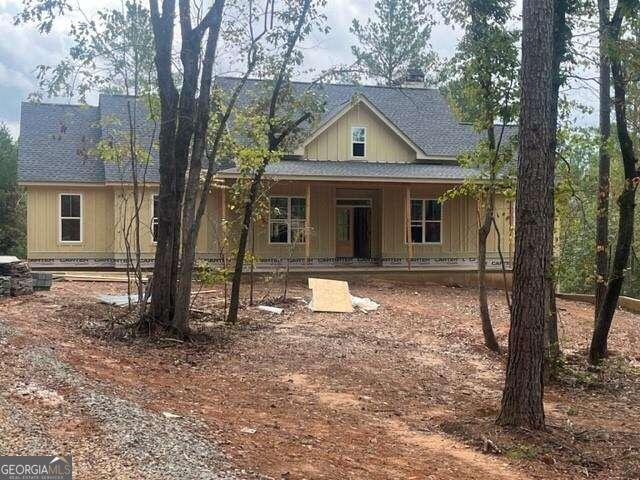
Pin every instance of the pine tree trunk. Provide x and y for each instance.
(626, 201)
(522, 397)
(562, 36)
(604, 162)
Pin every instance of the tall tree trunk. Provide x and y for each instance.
(562, 35)
(180, 130)
(626, 201)
(274, 141)
(522, 397)
(604, 162)
(191, 221)
(163, 287)
(478, 28)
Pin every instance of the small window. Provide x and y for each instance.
(358, 141)
(70, 217)
(154, 218)
(426, 221)
(287, 219)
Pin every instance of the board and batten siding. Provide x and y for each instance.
(43, 230)
(382, 143)
(106, 213)
(459, 235)
(322, 218)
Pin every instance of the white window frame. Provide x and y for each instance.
(364, 144)
(154, 218)
(288, 220)
(60, 218)
(423, 221)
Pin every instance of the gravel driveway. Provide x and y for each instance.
(47, 408)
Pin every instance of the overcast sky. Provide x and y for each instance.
(22, 48)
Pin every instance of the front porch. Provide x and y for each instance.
(318, 221)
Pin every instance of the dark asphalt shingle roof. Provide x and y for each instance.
(55, 139)
(422, 114)
(114, 112)
(359, 170)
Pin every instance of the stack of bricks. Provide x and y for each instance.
(19, 273)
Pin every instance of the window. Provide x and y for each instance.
(287, 219)
(154, 218)
(358, 140)
(70, 217)
(426, 221)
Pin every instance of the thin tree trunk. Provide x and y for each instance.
(274, 141)
(483, 233)
(503, 267)
(236, 279)
(626, 201)
(522, 397)
(604, 162)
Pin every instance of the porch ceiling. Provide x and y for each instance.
(363, 171)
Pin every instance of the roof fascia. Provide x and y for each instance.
(334, 178)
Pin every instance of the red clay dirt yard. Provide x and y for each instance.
(406, 392)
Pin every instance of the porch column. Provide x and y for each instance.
(407, 223)
(307, 245)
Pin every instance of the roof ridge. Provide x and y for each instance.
(339, 84)
(66, 105)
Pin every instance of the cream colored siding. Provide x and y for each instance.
(104, 217)
(43, 228)
(459, 228)
(106, 214)
(382, 143)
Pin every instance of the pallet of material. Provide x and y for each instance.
(19, 273)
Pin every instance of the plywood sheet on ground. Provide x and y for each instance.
(330, 296)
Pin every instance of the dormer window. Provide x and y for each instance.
(358, 140)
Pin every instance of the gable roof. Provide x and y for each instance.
(55, 140)
(422, 114)
(356, 100)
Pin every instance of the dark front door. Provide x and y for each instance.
(361, 232)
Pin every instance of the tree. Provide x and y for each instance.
(395, 42)
(604, 163)
(12, 205)
(621, 48)
(561, 53)
(522, 397)
(483, 80)
(286, 112)
(111, 54)
(184, 122)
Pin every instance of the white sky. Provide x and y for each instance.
(22, 48)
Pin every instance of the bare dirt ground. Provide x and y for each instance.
(407, 392)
